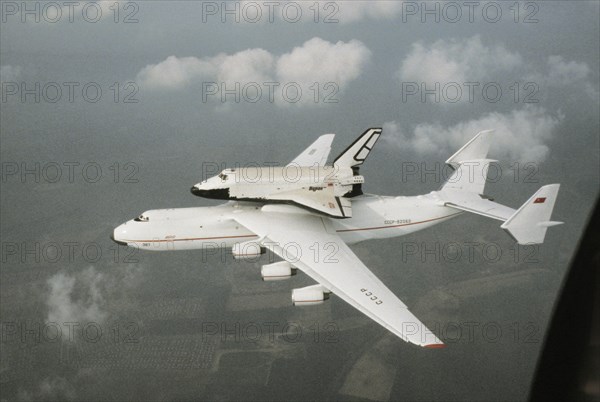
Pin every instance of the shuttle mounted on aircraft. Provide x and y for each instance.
(309, 202)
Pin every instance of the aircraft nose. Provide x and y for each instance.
(114, 237)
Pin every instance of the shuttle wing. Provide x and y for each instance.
(316, 153)
(310, 243)
(320, 200)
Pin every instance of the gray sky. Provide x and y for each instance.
(163, 68)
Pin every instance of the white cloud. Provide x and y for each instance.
(317, 60)
(323, 62)
(252, 65)
(9, 73)
(320, 61)
(563, 74)
(520, 135)
(566, 72)
(174, 72)
(470, 60)
(453, 60)
(62, 304)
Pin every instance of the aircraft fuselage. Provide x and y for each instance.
(375, 217)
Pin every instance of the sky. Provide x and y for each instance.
(112, 108)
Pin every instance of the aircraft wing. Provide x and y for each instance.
(310, 243)
(316, 153)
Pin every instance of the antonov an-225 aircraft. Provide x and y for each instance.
(307, 205)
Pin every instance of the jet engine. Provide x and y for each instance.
(277, 271)
(309, 295)
(247, 250)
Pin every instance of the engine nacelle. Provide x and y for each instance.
(310, 295)
(277, 271)
(247, 250)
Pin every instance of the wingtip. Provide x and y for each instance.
(435, 346)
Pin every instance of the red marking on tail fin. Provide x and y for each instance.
(539, 200)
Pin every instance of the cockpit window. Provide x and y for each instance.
(222, 176)
(142, 218)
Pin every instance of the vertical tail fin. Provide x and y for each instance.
(355, 155)
(358, 151)
(470, 165)
(530, 222)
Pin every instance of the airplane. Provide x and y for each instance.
(310, 221)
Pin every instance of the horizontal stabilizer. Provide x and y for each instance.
(474, 203)
(530, 222)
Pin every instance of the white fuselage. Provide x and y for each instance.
(261, 182)
(374, 217)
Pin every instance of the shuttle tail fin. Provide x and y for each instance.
(358, 151)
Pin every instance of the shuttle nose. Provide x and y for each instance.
(215, 193)
(197, 192)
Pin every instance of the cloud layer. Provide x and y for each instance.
(470, 60)
(62, 304)
(453, 60)
(520, 135)
(316, 60)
